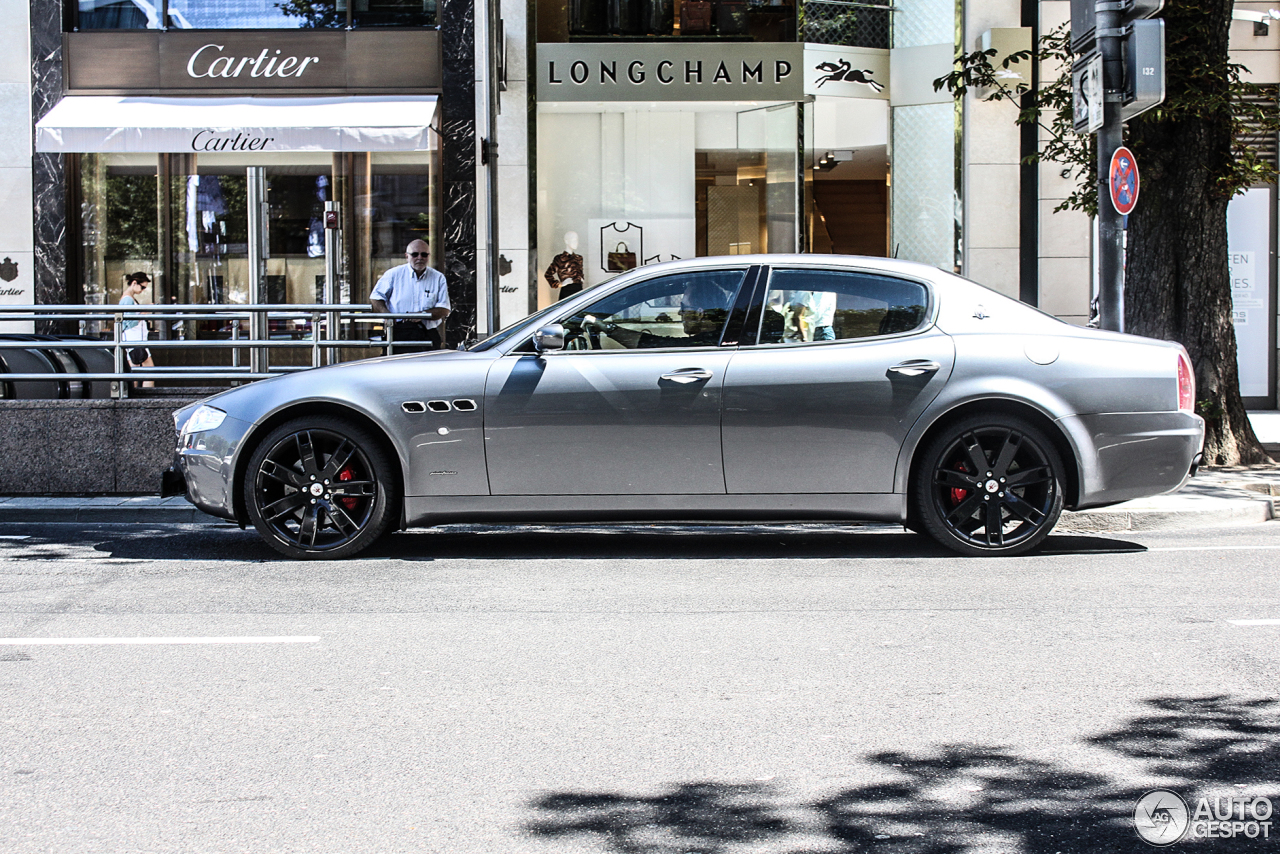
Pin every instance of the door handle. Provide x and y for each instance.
(687, 375)
(915, 367)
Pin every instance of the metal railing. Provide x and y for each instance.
(326, 333)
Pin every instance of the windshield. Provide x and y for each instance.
(503, 334)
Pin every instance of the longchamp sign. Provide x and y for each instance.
(698, 71)
(252, 62)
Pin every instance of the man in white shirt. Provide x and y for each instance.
(414, 288)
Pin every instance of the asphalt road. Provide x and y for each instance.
(762, 690)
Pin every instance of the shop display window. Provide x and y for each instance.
(253, 14)
(118, 222)
(635, 185)
(604, 20)
(189, 222)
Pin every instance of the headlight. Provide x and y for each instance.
(204, 418)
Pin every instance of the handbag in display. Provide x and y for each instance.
(731, 18)
(695, 17)
(621, 259)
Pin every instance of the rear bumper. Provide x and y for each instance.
(1134, 454)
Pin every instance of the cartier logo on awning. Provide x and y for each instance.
(209, 140)
(670, 72)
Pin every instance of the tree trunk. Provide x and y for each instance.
(1177, 277)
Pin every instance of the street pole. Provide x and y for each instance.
(1110, 137)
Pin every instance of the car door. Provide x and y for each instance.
(843, 364)
(631, 406)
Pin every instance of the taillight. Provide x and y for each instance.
(1186, 384)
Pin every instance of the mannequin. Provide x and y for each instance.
(565, 271)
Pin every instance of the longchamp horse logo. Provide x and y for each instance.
(844, 71)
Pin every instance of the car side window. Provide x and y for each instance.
(681, 310)
(830, 305)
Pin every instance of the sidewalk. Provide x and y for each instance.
(1213, 497)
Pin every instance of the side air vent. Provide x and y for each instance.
(464, 405)
(438, 405)
(413, 407)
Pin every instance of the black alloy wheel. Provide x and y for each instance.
(320, 488)
(990, 485)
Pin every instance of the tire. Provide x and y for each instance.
(320, 488)
(989, 485)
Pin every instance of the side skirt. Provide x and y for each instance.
(506, 509)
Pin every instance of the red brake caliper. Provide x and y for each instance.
(958, 494)
(348, 502)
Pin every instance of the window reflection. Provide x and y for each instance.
(253, 14)
(605, 20)
(119, 15)
(684, 310)
(185, 220)
(822, 305)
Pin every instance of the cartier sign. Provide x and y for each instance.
(211, 60)
(697, 71)
(252, 62)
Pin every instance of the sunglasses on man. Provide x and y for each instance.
(418, 254)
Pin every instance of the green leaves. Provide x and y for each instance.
(1202, 86)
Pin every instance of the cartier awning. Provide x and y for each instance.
(101, 123)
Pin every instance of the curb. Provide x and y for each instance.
(1149, 515)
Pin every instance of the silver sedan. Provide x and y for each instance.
(778, 387)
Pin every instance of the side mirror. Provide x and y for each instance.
(548, 338)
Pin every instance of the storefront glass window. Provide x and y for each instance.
(191, 223)
(306, 14)
(633, 186)
(119, 14)
(253, 14)
(604, 20)
(119, 222)
(394, 206)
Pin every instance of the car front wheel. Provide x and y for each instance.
(320, 488)
(989, 485)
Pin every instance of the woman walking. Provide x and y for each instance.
(133, 329)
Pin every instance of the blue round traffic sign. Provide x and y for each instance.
(1122, 178)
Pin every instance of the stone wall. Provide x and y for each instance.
(85, 447)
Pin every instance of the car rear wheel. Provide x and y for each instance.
(320, 488)
(989, 485)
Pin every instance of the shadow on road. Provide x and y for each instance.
(960, 798)
(589, 542)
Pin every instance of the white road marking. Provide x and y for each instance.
(14, 537)
(1210, 548)
(1254, 622)
(152, 641)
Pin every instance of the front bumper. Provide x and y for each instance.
(1135, 454)
(204, 468)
